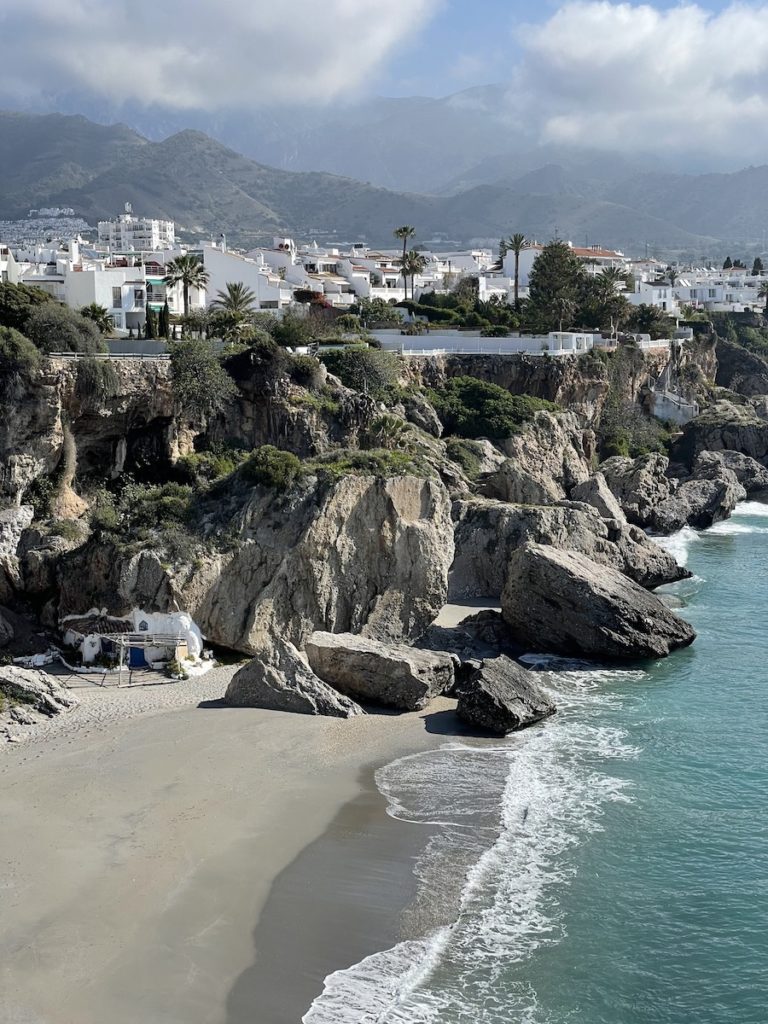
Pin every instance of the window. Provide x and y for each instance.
(117, 298)
(138, 296)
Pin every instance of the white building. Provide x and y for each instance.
(136, 234)
(556, 343)
(595, 260)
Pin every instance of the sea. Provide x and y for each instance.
(609, 866)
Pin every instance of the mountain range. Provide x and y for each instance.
(207, 188)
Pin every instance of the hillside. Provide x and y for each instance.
(207, 188)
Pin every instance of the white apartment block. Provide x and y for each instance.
(127, 233)
(595, 259)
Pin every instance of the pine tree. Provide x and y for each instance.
(164, 322)
(150, 325)
(757, 267)
(728, 263)
(556, 282)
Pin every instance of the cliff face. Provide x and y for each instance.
(362, 555)
(576, 384)
(741, 371)
(128, 424)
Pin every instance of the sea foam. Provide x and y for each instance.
(509, 812)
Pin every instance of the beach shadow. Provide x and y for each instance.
(448, 723)
(208, 704)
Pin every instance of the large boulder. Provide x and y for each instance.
(699, 503)
(564, 603)
(487, 532)
(748, 471)
(639, 485)
(28, 697)
(501, 697)
(280, 680)
(723, 426)
(390, 674)
(596, 492)
(544, 462)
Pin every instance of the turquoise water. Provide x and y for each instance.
(615, 859)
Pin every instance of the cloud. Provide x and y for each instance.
(200, 54)
(628, 76)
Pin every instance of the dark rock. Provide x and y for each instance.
(487, 532)
(501, 696)
(564, 603)
(282, 681)
(389, 674)
(748, 471)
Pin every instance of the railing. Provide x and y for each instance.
(107, 355)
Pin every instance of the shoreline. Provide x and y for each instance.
(147, 848)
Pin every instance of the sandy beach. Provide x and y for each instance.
(141, 840)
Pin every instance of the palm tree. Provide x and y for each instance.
(237, 299)
(563, 308)
(98, 315)
(404, 233)
(411, 264)
(188, 271)
(516, 244)
(612, 276)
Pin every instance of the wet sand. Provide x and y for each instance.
(137, 857)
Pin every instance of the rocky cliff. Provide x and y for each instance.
(360, 555)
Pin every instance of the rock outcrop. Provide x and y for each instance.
(655, 501)
(749, 472)
(280, 680)
(699, 503)
(739, 370)
(596, 492)
(723, 427)
(488, 532)
(361, 555)
(544, 462)
(393, 675)
(639, 485)
(500, 696)
(28, 696)
(561, 602)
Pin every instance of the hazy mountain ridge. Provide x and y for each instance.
(208, 188)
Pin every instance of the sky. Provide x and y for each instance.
(620, 74)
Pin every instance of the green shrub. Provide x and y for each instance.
(155, 506)
(271, 467)
(18, 301)
(305, 371)
(96, 380)
(201, 385)
(217, 462)
(495, 331)
(376, 462)
(364, 369)
(18, 358)
(55, 328)
(465, 454)
(103, 516)
(469, 407)
(321, 403)
(40, 495)
(68, 529)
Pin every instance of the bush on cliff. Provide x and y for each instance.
(364, 369)
(18, 301)
(469, 407)
(96, 380)
(55, 328)
(271, 467)
(201, 385)
(18, 357)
